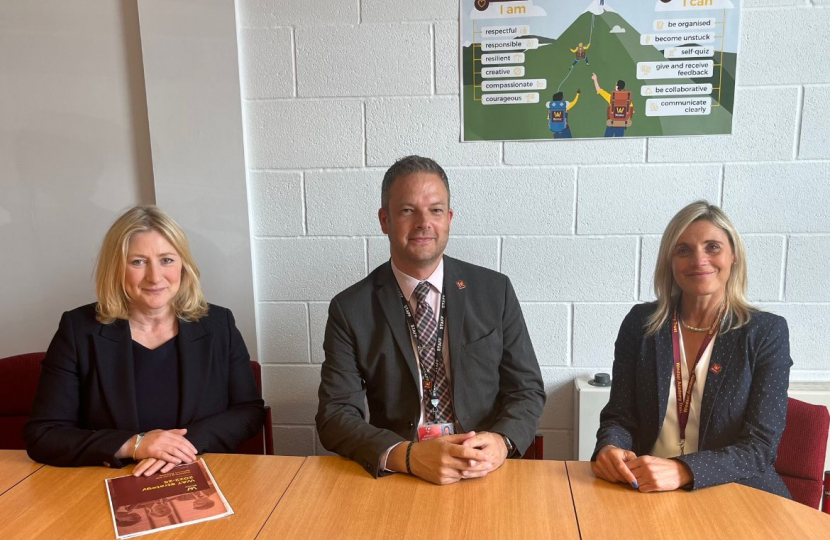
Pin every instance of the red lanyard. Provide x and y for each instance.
(685, 404)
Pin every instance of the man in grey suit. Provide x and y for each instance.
(433, 345)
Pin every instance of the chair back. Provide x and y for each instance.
(800, 461)
(536, 450)
(19, 376)
(263, 441)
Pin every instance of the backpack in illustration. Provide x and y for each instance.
(619, 110)
(557, 116)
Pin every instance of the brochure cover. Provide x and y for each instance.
(147, 504)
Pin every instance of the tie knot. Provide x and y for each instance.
(421, 291)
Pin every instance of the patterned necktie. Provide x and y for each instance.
(428, 333)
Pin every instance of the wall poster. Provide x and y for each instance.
(559, 69)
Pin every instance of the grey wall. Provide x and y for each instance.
(74, 152)
(103, 105)
(192, 79)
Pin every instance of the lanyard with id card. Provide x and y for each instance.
(684, 401)
(435, 428)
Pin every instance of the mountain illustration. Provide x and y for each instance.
(613, 57)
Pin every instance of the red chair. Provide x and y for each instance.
(262, 442)
(536, 450)
(18, 383)
(800, 461)
(19, 377)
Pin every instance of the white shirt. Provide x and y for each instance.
(407, 284)
(668, 441)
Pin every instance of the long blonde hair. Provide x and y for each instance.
(113, 303)
(738, 310)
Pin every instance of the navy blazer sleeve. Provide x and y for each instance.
(619, 420)
(756, 446)
(224, 431)
(53, 434)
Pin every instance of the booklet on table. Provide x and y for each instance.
(147, 504)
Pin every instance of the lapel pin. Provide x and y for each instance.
(460, 284)
(716, 368)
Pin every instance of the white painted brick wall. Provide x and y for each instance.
(808, 271)
(267, 61)
(343, 202)
(642, 198)
(283, 331)
(409, 10)
(271, 13)
(559, 409)
(294, 389)
(590, 321)
(276, 203)
(549, 324)
(571, 268)
(531, 201)
(424, 126)
(814, 122)
(331, 134)
(568, 152)
(446, 57)
(307, 268)
(364, 60)
(809, 338)
(774, 46)
(787, 197)
(772, 3)
(318, 315)
(334, 92)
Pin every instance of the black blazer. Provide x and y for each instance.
(497, 385)
(743, 410)
(85, 406)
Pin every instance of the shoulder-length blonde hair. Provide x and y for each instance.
(739, 310)
(113, 303)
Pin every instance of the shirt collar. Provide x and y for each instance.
(408, 283)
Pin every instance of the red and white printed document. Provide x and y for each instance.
(147, 504)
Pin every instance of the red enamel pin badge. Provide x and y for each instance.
(715, 368)
(460, 284)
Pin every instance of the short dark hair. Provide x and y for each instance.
(621, 84)
(406, 166)
(558, 96)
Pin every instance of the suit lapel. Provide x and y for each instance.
(388, 296)
(196, 361)
(114, 360)
(456, 308)
(722, 353)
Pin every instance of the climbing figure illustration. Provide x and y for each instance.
(581, 54)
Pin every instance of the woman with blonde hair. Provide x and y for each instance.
(151, 372)
(700, 377)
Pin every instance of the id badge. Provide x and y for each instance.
(433, 431)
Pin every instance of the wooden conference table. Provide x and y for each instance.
(331, 498)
